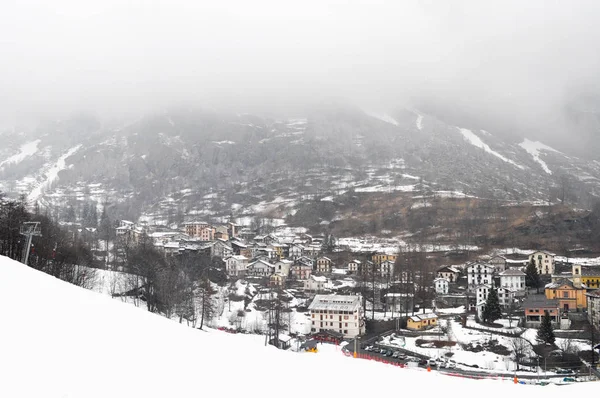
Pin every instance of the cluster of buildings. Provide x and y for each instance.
(576, 290)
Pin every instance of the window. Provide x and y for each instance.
(346, 324)
(345, 331)
(565, 294)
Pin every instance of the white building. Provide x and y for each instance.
(354, 266)
(513, 279)
(236, 265)
(260, 268)
(441, 285)
(479, 274)
(283, 267)
(544, 262)
(449, 273)
(315, 283)
(505, 296)
(296, 251)
(342, 314)
(386, 269)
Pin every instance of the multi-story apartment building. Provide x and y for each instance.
(341, 314)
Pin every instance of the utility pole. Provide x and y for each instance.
(29, 230)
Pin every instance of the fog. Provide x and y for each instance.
(518, 62)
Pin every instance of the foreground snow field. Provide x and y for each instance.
(59, 340)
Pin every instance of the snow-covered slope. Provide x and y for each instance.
(59, 340)
(26, 150)
(534, 148)
(473, 139)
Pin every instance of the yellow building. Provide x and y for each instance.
(589, 276)
(422, 321)
(570, 296)
(379, 258)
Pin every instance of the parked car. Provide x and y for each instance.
(423, 363)
(368, 348)
(402, 356)
(389, 353)
(395, 354)
(451, 364)
(561, 371)
(442, 364)
(432, 363)
(382, 351)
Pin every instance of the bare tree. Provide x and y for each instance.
(520, 348)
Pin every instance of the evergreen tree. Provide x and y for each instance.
(491, 309)
(545, 333)
(532, 278)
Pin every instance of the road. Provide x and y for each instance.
(413, 359)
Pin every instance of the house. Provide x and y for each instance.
(342, 314)
(498, 262)
(315, 283)
(221, 248)
(593, 309)
(312, 250)
(324, 265)
(354, 266)
(536, 305)
(513, 279)
(236, 265)
(479, 274)
(399, 302)
(283, 341)
(240, 248)
(380, 257)
(277, 279)
(449, 273)
(233, 229)
(279, 250)
(543, 261)
(505, 296)
(588, 276)
(284, 267)
(570, 297)
(386, 269)
(441, 285)
(200, 230)
(260, 268)
(422, 321)
(171, 248)
(296, 251)
(221, 232)
(301, 271)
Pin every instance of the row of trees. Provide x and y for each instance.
(57, 251)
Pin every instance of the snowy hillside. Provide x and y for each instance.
(62, 341)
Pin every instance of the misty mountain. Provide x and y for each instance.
(208, 164)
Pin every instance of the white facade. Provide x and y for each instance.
(354, 266)
(593, 309)
(544, 262)
(221, 249)
(479, 274)
(296, 251)
(513, 279)
(315, 283)
(283, 267)
(260, 268)
(236, 265)
(441, 285)
(449, 273)
(505, 296)
(341, 314)
(386, 269)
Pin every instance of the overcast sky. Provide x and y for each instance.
(109, 55)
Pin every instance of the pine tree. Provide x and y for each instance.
(492, 310)
(532, 278)
(545, 333)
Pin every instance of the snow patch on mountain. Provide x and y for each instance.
(52, 174)
(383, 117)
(419, 122)
(26, 150)
(474, 140)
(534, 148)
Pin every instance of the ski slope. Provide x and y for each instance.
(59, 340)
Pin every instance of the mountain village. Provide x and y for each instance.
(386, 308)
